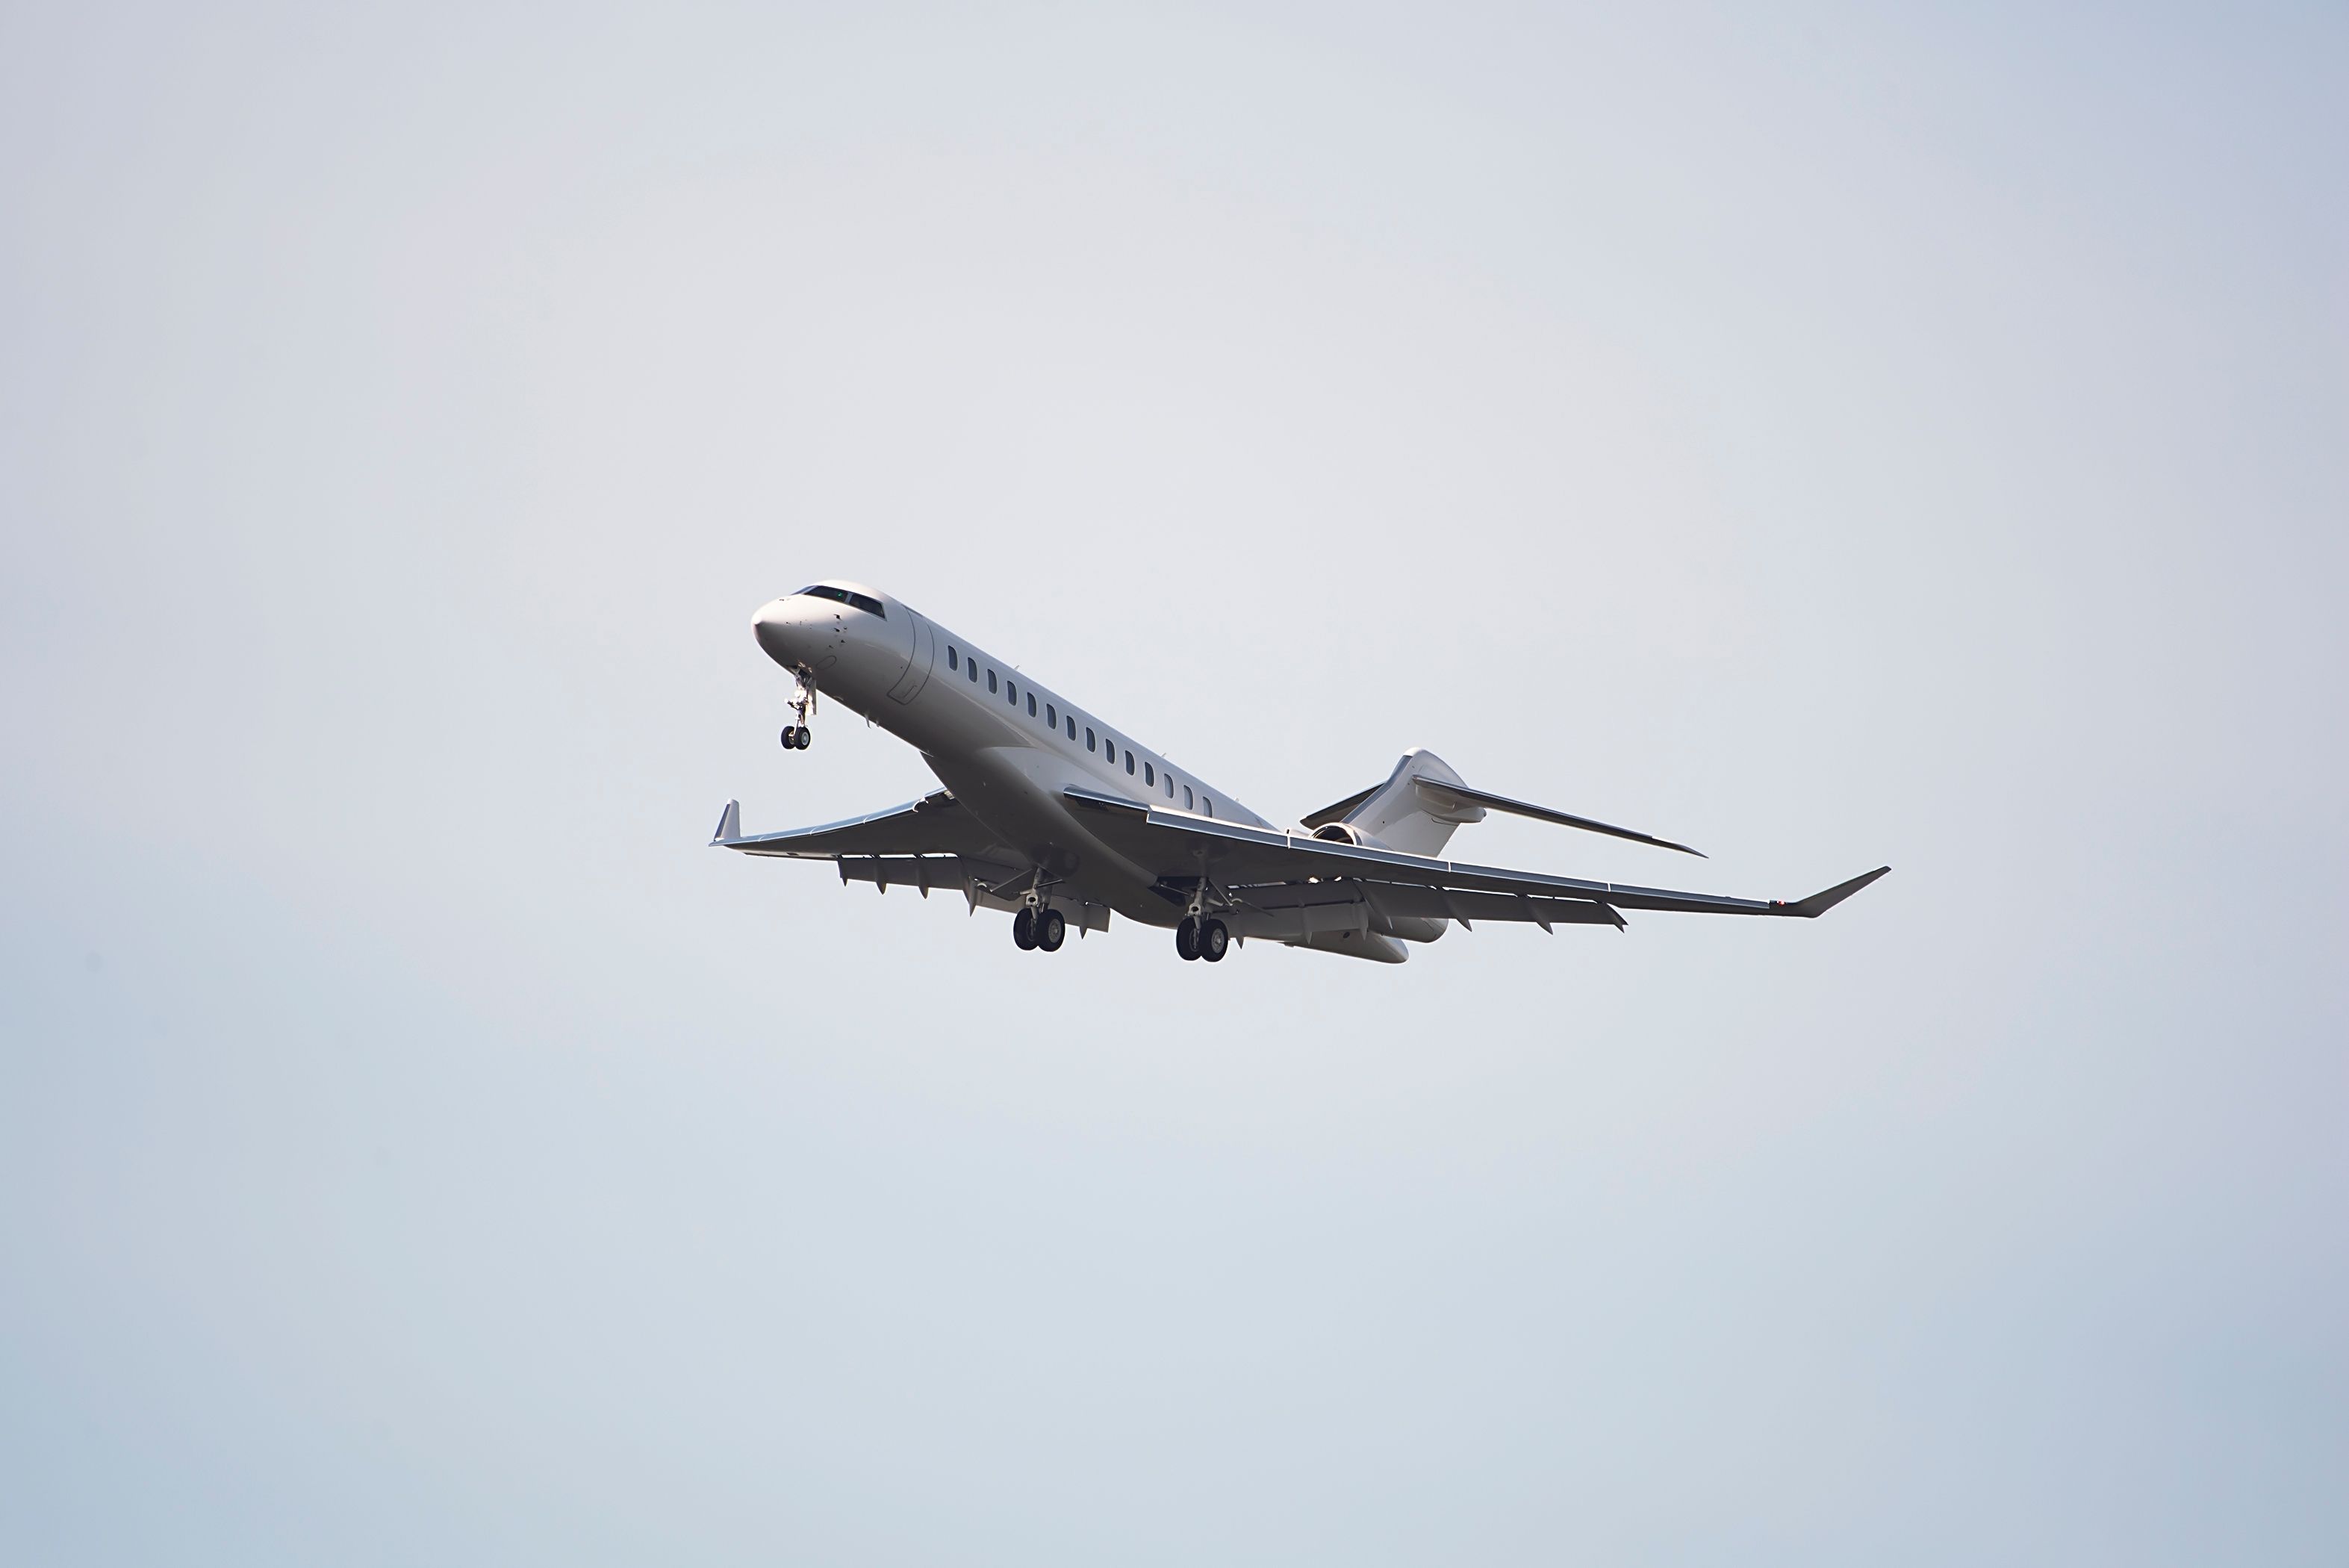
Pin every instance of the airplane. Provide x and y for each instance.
(1050, 813)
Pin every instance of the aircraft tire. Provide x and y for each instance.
(791, 738)
(1213, 940)
(1052, 929)
(1023, 930)
(1187, 939)
(806, 736)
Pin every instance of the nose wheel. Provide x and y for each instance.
(796, 735)
(1197, 938)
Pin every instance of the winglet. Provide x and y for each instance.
(730, 824)
(1818, 904)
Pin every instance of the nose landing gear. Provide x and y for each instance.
(796, 737)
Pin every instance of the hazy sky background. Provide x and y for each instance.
(1827, 437)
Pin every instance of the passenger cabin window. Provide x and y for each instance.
(954, 660)
(990, 680)
(1088, 736)
(1031, 704)
(1170, 785)
(1209, 804)
(864, 602)
(1011, 691)
(1186, 798)
(1147, 776)
(1073, 726)
(1051, 716)
(1129, 761)
(972, 667)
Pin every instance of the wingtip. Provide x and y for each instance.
(1818, 904)
(730, 824)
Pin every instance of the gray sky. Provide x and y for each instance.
(1827, 440)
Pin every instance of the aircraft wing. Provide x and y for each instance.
(1250, 864)
(936, 824)
(932, 843)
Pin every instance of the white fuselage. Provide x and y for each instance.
(1004, 744)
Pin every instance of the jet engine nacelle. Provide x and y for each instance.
(1409, 928)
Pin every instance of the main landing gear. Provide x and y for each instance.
(1046, 928)
(1197, 938)
(796, 734)
(1038, 924)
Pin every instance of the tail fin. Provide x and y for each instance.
(1397, 814)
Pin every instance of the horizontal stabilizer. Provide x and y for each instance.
(1336, 813)
(1818, 904)
(730, 824)
(1544, 814)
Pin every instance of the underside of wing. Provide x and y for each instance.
(1396, 908)
(1247, 863)
(936, 824)
(932, 843)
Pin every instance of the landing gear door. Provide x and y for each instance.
(917, 668)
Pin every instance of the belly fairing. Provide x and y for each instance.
(1015, 791)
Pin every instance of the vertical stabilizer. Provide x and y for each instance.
(1400, 816)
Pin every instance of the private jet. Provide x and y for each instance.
(1050, 814)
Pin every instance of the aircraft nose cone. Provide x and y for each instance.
(774, 627)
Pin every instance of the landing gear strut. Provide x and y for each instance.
(802, 703)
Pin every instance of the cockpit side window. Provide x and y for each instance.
(864, 602)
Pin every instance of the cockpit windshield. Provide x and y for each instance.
(864, 602)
